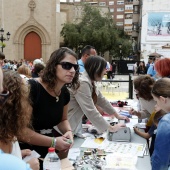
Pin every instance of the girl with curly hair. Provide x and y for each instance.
(16, 110)
(50, 98)
(15, 113)
(143, 85)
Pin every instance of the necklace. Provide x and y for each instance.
(57, 95)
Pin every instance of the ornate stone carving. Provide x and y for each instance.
(32, 5)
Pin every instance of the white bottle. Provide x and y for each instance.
(51, 161)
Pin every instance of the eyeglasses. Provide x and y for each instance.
(3, 96)
(68, 66)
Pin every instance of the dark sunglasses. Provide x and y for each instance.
(3, 96)
(68, 66)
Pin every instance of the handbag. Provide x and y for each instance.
(122, 135)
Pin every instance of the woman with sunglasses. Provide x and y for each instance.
(15, 114)
(84, 100)
(161, 156)
(50, 99)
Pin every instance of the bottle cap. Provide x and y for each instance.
(51, 149)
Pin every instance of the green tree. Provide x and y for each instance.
(96, 30)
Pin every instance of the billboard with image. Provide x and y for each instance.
(158, 25)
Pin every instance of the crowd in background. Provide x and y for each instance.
(59, 90)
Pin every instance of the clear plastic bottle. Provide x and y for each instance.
(51, 161)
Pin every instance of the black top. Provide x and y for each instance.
(46, 111)
(141, 70)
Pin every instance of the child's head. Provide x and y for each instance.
(157, 116)
(161, 93)
(16, 110)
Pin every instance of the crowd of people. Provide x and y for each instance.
(47, 102)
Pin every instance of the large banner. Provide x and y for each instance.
(158, 25)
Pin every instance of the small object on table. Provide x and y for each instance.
(88, 152)
(69, 141)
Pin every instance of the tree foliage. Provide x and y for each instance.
(96, 30)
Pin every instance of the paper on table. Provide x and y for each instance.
(134, 117)
(136, 149)
(132, 123)
(34, 154)
(73, 153)
(120, 161)
(92, 143)
(140, 125)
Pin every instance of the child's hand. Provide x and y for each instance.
(25, 152)
(136, 129)
(34, 163)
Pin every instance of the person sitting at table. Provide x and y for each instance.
(160, 159)
(84, 99)
(143, 85)
(8, 161)
(14, 110)
(159, 113)
(15, 113)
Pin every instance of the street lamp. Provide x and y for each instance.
(120, 48)
(2, 38)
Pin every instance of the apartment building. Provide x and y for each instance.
(125, 14)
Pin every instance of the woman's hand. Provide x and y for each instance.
(69, 136)
(123, 118)
(116, 127)
(34, 164)
(62, 144)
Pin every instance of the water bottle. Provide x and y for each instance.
(51, 161)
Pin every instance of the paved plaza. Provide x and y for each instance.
(116, 90)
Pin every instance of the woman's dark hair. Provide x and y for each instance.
(161, 88)
(86, 49)
(95, 65)
(49, 75)
(143, 84)
(38, 67)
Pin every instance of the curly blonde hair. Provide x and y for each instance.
(15, 112)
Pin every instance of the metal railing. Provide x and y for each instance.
(130, 84)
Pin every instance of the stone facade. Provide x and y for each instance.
(22, 17)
